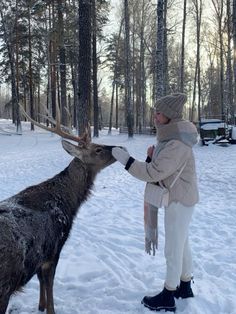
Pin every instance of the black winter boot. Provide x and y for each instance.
(184, 290)
(162, 301)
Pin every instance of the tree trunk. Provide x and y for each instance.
(95, 81)
(142, 73)
(111, 106)
(135, 83)
(62, 58)
(182, 67)
(230, 107)
(17, 59)
(114, 77)
(159, 51)
(234, 55)
(197, 4)
(165, 53)
(117, 106)
(15, 101)
(221, 70)
(52, 60)
(218, 6)
(31, 93)
(17, 108)
(73, 56)
(194, 93)
(84, 67)
(74, 79)
(128, 78)
(199, 21)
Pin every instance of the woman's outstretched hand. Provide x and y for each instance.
(121, 155)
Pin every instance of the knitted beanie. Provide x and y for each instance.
(171, 105)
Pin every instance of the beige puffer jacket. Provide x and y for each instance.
(175, 147)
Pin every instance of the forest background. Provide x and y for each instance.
(105, 63)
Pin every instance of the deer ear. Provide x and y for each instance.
(73, 150)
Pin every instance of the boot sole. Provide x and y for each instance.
(184, 297)
(161, 308)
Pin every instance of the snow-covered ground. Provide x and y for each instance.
(103, 268)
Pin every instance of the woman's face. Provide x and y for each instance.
(160, 118)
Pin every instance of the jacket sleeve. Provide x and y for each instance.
(168, 161)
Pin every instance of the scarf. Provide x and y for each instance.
(150, 228)
(177, 129)
(151, 216)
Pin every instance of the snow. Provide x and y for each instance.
(103, 268)
(213, 126)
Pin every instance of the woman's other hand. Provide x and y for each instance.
(150, 151)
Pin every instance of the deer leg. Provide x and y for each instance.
(48, 272)
(42, 292)
(4, 304)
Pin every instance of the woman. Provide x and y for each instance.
(176, 138)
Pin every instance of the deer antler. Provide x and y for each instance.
(57, 129)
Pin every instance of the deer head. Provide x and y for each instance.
(95, 156)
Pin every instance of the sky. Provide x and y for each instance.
(103, 268)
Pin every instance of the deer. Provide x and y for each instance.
(36, 222)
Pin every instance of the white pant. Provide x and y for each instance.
(177, 250)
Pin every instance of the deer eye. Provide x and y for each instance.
(98, 150)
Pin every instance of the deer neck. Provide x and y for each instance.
(67, 190)
(75, 184)
(82, 178)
